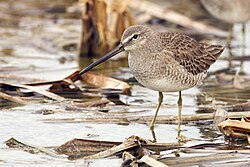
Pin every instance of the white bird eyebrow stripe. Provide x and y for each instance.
(129, 38)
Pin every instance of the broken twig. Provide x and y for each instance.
(13, 99)
(13, 143)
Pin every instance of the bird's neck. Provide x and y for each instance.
(140, 61)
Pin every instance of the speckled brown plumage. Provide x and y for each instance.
(173, 59)
(194, 56)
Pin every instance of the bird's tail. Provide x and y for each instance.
(214, 50)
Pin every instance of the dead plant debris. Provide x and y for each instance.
(236, 130)
(136, 151)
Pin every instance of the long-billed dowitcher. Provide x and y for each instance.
(164, 61)
(232, 12)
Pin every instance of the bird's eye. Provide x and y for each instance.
(135, 36)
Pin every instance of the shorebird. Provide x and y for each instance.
(232, 12)
(164, 61)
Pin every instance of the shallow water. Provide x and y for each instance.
(32, 48)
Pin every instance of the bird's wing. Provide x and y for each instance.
(195, 57)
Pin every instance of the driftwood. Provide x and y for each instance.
(131, 142)
(128, 160)
(214, 150)
(104, 82)
(196, 160)
(42, 92)
(13, 143)
(235, 163)
(152, 162)
(68, 85)
(144, 119)
(136, 150)
(13, 98)
(174, 17)
(236, 129)
(79, 145)
(96, 103)
(78, 148)
(93, 149)
(19, 78)
(91, 78)
(37, 90)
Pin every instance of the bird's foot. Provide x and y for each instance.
(183, 139)
(153, 133)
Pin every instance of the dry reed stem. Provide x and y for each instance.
(144, 119)
(12, 98)
(103, 23)
(174, 17)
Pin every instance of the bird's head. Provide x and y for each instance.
(135, 37)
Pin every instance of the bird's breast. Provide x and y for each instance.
(142, 66)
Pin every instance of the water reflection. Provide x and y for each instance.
(107, 68)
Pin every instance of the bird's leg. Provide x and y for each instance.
(179, 114)
(229, 44)
(160, 99)
(243, 45)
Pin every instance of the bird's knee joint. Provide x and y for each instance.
(179, 102)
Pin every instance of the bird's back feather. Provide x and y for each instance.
(195, 57)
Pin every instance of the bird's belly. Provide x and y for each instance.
(165, 85)
(155, 75)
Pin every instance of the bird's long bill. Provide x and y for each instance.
(110, 54)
